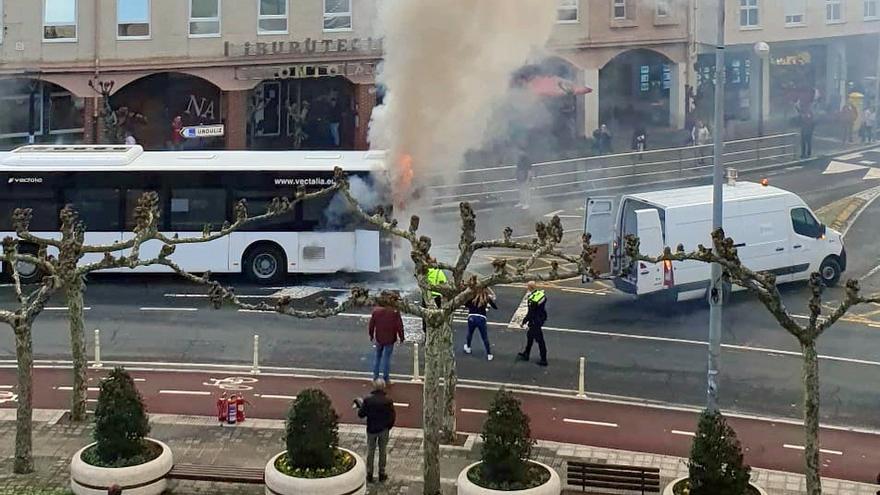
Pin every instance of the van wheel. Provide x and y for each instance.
(830, 272)
(265, 264)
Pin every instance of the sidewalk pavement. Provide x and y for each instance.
(198, 440)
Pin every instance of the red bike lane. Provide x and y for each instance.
(846, 454)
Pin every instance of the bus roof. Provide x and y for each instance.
(699, 195)
(93, 158)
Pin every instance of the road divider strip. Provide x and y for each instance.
(683, 433)
(147, 308)
(64, 308)
(801, 447)
(589, 423)
(279, 397)
(184, 392)
(474, 411)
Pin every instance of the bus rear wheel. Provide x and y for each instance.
(265, 264)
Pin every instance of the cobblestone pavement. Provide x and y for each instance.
(198, 440)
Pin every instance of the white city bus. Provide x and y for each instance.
(197, 188)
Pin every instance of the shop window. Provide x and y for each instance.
(872, 9)
(15, 108)
(748, 13)
(337, 15)
(272, 17)
(619, 9)
(204, 18)
(65, 113)
(833, 11)
(98, 208)
(59, 20)
(192, 209)
(794, 12)
(662, 8)
(267, 113)
(567, 11)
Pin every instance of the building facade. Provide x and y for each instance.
(278, 74)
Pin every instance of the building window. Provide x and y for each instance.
(1, 21)
(133, 19)
(619, 9)
(337, 15)
(833, 11)
(662, 8)
(748, 13)
(871, 9)
(59, 20)
(272, 17)
(794, 12)
(204, 18)
(567, 11)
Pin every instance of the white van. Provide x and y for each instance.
(774, 231)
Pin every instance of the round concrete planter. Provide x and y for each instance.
(668, 490)
(143, 479)
(553, 486)
(351, 482)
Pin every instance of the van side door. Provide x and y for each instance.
(650, 233)
(599, 225)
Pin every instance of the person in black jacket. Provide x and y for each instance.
(378, 408)
(535, 318)
(477, 308)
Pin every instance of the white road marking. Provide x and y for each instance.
(590, 423)
(256, 311)
(168, 309)
(868, 162)
(870, 273)
(401, 404)
(184, 392)
(841, 167)
(64, 308)
(205, 296)
(553, 213)
(474, 411)
(683, 433)
(801, 447)
(279, 397)
(6, 387)
(520, 314)
(90, 389)
(851, 156)
(873, 173)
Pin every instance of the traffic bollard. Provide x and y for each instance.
(255, 370)
(583, 365)
(98, 363)
(415, 375)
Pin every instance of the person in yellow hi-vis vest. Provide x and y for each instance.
(535, 318)
(436, 278)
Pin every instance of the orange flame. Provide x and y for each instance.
(403, 188)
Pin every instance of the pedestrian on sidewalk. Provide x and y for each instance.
(535, 319)
(386, 328)
(114, 490)
(477, 308)
(640, 139)
(602, 140)
(849, 114)
(869, 122)
(808, 125)
(524, 176)
(378, 408)
(701, 136)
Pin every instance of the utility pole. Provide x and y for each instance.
(716, 291)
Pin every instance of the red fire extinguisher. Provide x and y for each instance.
(239, 413)
(221, 408)
(232, 410)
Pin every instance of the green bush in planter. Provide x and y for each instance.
(312, 431)
(121, 421)
(716, 464)
(507, 441)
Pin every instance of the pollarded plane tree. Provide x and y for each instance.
(462, 286)
(763, 286)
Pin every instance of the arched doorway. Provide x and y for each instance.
(635, 87)
(149, 105)
(57, 113)
(309, 113)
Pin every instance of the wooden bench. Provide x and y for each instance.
(611, 476)
(219, 474)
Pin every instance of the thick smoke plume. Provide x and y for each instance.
(448, 64)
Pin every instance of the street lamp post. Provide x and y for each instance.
(716, 290)
(33, 86)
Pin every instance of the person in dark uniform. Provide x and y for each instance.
(378, 409)
(535, 318)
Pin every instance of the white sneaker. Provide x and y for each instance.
(490, 357)
(467, 349)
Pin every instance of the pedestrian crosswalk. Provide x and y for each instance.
(866, 162)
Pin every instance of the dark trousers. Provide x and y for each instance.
(478, 322)
(535, 334)
(806, 144)
(377, 440)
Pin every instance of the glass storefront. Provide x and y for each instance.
(635, 88)
(58, 115)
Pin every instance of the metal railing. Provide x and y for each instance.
(609, 173)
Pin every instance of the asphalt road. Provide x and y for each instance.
(632, 349)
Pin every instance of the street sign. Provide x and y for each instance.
(202, 131)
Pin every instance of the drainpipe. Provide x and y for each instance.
(96, 19)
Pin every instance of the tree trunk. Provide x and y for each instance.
(811, 418)
(77, 349)
(24, 462)
(432, 410)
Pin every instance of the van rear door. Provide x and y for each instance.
(649, 276)
(599, 224)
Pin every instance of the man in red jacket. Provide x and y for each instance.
(386, 328)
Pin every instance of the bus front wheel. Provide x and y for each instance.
(28, 273)
(265, 264)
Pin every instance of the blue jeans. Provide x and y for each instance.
(478, 322)
(334, 133)
(383, 359)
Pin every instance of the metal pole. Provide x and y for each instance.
(581, 388)
(98, 349)
(32, 112)
(255, 370)
(877, 84)
(415, 374)
(716, 292)
(760, 99)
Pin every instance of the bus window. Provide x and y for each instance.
(98, 208)
(192, 209)
(131, 201)
(315, 211)
(258, 204)
(45, 212)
